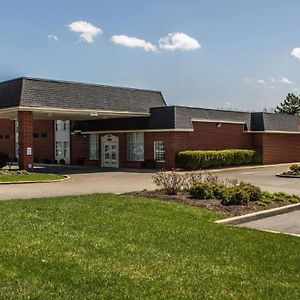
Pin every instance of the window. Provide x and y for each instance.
(44, 135)
(7, 136)
(58, 148)
(159, 151)
(94, 146)
(35, 135)
(135, 146)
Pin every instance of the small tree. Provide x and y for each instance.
(290, 105)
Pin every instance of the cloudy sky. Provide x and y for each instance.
(214, 53)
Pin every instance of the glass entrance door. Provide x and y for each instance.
(110, 154)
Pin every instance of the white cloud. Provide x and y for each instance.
(296, 53)
(53, 37)
(285, 80)
(133, 42)
(261, 81)
(87, 31)
(178, 41)
(248, 79)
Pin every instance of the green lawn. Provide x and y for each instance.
(12, 176)
(119, 247)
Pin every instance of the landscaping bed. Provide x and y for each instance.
(211, 204)
(9, 176)
(294, 172)
(229, 197)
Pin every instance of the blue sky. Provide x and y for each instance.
(235, 54)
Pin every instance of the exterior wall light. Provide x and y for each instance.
(219, 125)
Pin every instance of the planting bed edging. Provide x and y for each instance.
(288, 175)
(259, 215)
(36, 181)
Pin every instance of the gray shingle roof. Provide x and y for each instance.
(32, 92)
(184, 115)
(275, 122)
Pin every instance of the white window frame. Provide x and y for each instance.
(158, 151)
(94, 146)
(135, 146)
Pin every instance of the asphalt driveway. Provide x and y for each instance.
(284, 223)
(265, 178)
(96, 180)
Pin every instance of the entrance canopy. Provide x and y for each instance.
(25, 99)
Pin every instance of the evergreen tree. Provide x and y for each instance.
(290, 105)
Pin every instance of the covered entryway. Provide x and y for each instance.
(110, 151)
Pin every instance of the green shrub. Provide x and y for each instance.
(3, 159)
(202, 159)
(295, 169)
(235, 196)
(202, 191)
(253, 191)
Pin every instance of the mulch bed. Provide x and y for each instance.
(213, 205)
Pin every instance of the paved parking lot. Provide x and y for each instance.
(265, 178)
(285, 223)
(85, 180)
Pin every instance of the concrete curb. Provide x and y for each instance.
(287, 176)
(36, 181)
(248, 167)
(259, 215)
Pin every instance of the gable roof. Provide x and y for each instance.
(33, 92)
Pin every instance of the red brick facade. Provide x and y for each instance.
(276, 147)
(7, 138)
(25, 140)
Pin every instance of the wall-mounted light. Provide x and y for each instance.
(94, 114)
(219, 125)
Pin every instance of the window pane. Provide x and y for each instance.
(94, 146)
(135, 146)
(159, 151)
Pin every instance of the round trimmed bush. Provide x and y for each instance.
(253, 191)
(202, 191)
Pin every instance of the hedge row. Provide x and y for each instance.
(201, 159)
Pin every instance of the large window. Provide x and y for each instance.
(159, 151)
(94, 146)
(135, 146)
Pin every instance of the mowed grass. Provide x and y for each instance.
(14, 177)
(107, 246)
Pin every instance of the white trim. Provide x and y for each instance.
(137, 130)
(71, 111)
(217, 121)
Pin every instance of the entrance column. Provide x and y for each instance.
(25, 119)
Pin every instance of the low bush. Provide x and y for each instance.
(173, 182)
(228, 193)
(253, 191)
(235, 195)
(193, 160)
(295, 169)
(3, 159)
(202, 191)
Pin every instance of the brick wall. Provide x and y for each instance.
(280, 148)
(25, 139)
(7, 137)
(43, 141)
(206, 136)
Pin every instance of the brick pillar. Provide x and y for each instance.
(25, 140)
